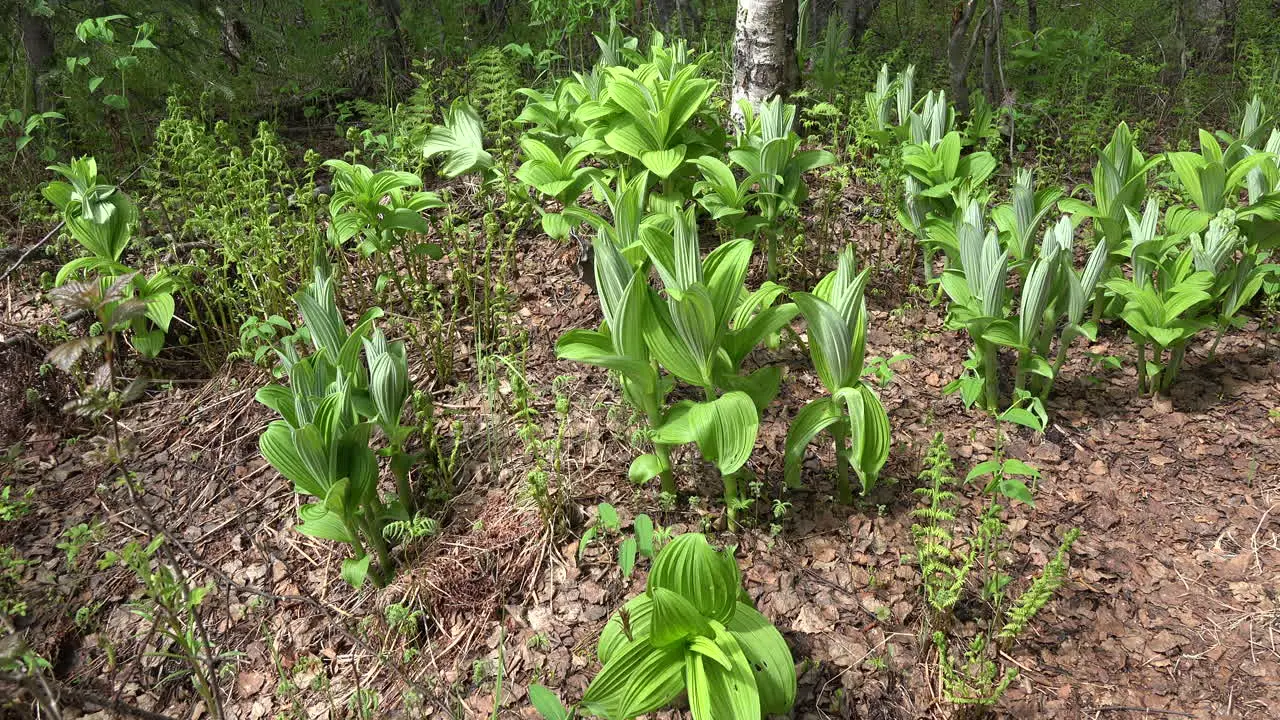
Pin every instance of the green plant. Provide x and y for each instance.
(101, 218)
(77, 538)
(769, 151)
(701, 335)
(322, 442)
(460, 140)
(691, 632)
(1163, 300)
(837, 318)
(1212, 180)
(170, 604)
(954, 568)
(376, 207)
(12, 508)
(640, 543)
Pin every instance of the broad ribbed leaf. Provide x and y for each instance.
(725, 430)
(723, 273)
(281, 400)
(674, 618)
(692, 569)
(547, 704)
(639, 678)
(320, 522)
(594, 348)
(830, 345)
(278, 447)
(639, 611)
(808, 423)
(664, 162)
(767, 653)
(719, 694)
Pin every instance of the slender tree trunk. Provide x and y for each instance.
(395, 46)
(1033, 17)
(37, 43)
(959, 54)
(990, 83)
(857, 15)
(764, 51)
(1230, 15)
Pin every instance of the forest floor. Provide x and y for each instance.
(1172, 608)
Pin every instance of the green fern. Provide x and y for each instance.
(1041, 591)
(493, 85)
(943, 573)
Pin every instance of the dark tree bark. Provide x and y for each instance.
(37, 45)
(991, 46)
(396, 47)
(959, 54)
(1033, 17)
(764, 56)
(857, 16)
(235, 37)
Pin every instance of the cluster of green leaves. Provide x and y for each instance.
(244, 218)
(630, 113)
(101, 30)
(700, 333)
(322, 443)
(963, 562)
(1052, 296)
(1210, 264)
(639, 544)
(102, 220)
(836, 314)
(170, 603)
(768, 153)
(692, 631)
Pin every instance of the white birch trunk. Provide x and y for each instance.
(764, 53)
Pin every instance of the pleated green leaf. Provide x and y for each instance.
(808, 423)
(638, 679)
(769, 657)
(692, 569)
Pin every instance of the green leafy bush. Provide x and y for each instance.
(322, 441)
(837, 317)
(691, 632)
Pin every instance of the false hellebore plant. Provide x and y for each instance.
(690, 631)
(700, 333)
(329, 410)
(837, 318)
(101, 218)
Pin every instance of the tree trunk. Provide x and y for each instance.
(990, 83)
(857, 15)
(37, 43)
(1230, 15)
(959, 54)
(764, 51)
(1033, 17)
(395, 46)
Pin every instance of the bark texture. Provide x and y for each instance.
(764, 50)
(857, 16)
(37, 45)
(960, 53)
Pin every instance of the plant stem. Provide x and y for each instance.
(731, 497)
(990, 375)
(400, 468)
(840, 432)
(380, 546)
(1171, 370)
(668, 476)
(1142, 366)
